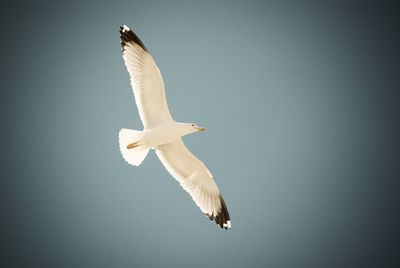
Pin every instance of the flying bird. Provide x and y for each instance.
(163, 134)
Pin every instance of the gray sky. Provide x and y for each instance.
(299, 100)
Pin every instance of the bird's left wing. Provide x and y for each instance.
(196, 179)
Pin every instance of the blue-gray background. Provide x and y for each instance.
(301, 105)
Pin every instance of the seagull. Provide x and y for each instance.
(163, 134)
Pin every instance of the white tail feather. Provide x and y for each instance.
(134, 156)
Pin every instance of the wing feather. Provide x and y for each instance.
(196, 179)
(146, 80)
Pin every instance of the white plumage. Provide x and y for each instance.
(164, 134)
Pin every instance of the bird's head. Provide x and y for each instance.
(197, 128)
(188, 128)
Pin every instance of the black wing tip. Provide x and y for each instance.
(128, 36)
(222, 219)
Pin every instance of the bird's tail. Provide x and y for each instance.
(132, 153)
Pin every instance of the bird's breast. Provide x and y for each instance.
(157, 136)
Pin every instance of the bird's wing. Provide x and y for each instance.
(146, 80)
(196, 179)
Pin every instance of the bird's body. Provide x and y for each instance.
(163, 134)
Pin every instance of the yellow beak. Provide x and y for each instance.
(201, 129)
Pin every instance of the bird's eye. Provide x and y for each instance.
(192, 125)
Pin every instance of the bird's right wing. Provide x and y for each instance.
(146, 80)
(196, 179)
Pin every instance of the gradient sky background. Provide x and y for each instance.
(301, 103)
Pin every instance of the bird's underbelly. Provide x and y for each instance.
(155, 137)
